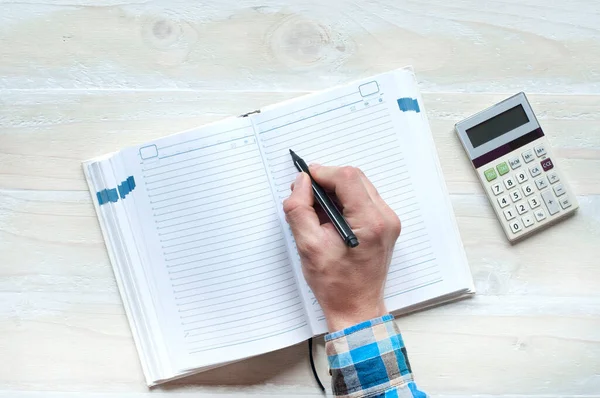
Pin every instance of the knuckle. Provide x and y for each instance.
(308, 247)
(289, 205)
(349, 172)
(395, 224)
(378, 225)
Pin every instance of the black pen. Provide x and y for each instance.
(336, 217)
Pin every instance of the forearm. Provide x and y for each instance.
(369, 359)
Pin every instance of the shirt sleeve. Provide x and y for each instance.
(369, 360)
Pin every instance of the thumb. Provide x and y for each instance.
(299, 211)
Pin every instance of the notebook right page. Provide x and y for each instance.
(379, 125)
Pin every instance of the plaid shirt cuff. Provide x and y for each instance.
(369, 360)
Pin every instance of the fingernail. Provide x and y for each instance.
(314, 166)
(298, 181)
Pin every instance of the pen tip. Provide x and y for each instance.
(291, 152)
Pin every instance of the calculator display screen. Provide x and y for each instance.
(497, 126)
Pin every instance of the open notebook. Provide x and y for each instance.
(205, 262)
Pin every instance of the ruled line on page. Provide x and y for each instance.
(246, 331)
(299, 326)
(313, 106)
(254, 288)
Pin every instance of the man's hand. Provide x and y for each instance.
(347, 282)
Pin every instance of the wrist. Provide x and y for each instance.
(339, 320)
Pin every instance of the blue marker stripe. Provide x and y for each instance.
(408, 104)
(100, 198)
(131, 183)
(123, 190)
(104, 194)
(112, 195)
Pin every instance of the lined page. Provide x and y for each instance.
(362, 125)
(224, 282)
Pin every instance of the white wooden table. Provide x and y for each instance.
(79, 78)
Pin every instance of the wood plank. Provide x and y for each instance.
(44, 137)
(235, 45)
(61, 313)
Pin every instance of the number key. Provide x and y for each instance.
(503, 201)
(509, 214)
(522, 208)
(497, 189)
(509, 183)
(521, 177)
(516, 195)
(527, 190)
(515, 226)
(534, 202)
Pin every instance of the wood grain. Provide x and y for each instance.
(82, 78)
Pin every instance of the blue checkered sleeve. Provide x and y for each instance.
(369, 360)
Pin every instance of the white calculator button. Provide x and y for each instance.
(553, 177)
(540, 150)
(541, 183)
(565, 202)
(509, 183)
(515, 163)
(535, 171)
(559, 190)
(503, 201)
(534, 202)
(497, 189)
(515, 226)
(527, 220)
(539, 214)
(551, 202)
(522, 177)
(522, 208)
(527, 189)
(516, 195)
(527, 156)
(509, 213)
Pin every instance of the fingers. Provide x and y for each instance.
(347, 184)
(369, 187)
(389, 214)
(299, 211)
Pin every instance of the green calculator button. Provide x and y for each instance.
(490, 174)
(502, 168)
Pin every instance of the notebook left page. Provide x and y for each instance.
(213, 247)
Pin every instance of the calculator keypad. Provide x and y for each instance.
(528, 189)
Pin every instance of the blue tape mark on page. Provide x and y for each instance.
(100, 197)
(131, 183)
(123, 190)
(408, 104)
(112, 195)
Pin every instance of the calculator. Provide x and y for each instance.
(516, 167)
